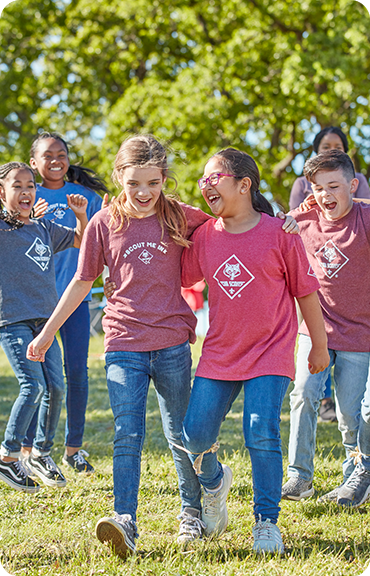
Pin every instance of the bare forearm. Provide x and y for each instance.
(312, 315)
(82, 222)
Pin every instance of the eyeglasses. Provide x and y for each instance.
(213, 179)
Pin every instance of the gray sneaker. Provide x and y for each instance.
(119, 533)
(330, 496)
(191, 526)
(296, 488)
(267, 538)
(214, 511)
(356, 490)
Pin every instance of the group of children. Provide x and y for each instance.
(153, 245)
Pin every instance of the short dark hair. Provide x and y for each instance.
(330, 130)
(328, 162)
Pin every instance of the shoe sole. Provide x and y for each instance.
(48, 481)
(277, 550)
(217, 531)
(18, 487)
(306, 494)
(86, 472)
(349, 504)
(109, 534)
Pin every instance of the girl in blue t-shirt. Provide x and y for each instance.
(49, 157)
(27, 298)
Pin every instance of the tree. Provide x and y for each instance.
(258, 75)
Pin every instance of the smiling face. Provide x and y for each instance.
(18, 193)
(142, 187)
(224, 197)
(333, 193)
(51, 161)
(330, 141)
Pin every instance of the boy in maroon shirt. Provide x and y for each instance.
(336, 235)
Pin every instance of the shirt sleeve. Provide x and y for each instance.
(91, 259)
(191, 271)
(300, 277)
(195, 217)
(61, 237)
(363, 190)
(297, 194)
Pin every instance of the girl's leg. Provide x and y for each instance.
(171, 373)
(263, 398)
(128, 383)
(210, 401)
(14, 340)
(75, 334)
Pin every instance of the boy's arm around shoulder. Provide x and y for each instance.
(318, 358)
(191, 271)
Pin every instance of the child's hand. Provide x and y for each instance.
(318, 359)
(105, 202)
(109, 288)
(307, 203)
(77, 203)
(37, 349)
(39, 209)
(290, 225)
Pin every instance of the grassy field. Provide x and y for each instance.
(52, 532)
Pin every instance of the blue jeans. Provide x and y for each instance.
(75, 334)
(41, 385)
(128, 377)
(350, 382)
(209, 403)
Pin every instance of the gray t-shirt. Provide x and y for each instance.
(27, 277)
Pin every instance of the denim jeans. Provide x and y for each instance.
(209, 403)
(41, 385)
(75, 334)
(128, 377)
(350, 381)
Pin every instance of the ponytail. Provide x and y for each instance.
(261, 204)
(86, 177)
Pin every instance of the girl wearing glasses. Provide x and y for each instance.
(147, 325)
(49, 157)
(254, 272)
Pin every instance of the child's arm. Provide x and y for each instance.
(71, 298)
(318, 358)
(290, 225)
(39, 209)
(78, 205)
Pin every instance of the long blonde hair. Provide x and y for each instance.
(144, 151)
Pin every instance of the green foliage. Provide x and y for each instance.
(257, 75)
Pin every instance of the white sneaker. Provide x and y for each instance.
(267, 537)
(214, 511)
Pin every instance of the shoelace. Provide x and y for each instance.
(263, 529)
(79, 457)
(49, 463)
(354, 479)
(126, 520)
(211, 503)
(21, 470)
(191, 524)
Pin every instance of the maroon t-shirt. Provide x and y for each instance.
(147, 311)
(339, 253)
(253, 278)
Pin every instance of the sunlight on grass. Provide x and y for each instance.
(52, 532)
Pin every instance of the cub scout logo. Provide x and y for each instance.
(39, 253)
(232, 276)
(145, 256)
(331, 259)
(57, 210)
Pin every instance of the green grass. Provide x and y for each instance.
(52, 532)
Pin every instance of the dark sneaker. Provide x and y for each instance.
(15, 475)
(191, 526)
(327, 411)
(296, 488)
(330, 496)
(118, 533)
(45, 468)
(267, 538)
(78, 462)
(214, 511)
(356, 490)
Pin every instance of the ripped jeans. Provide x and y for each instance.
(41, 385)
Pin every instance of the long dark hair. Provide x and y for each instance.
(77, 174)
(243, 166)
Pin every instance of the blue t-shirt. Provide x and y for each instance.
(66, 262)
(27, 279)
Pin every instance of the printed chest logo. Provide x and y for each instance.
(232, 276)
(57, 211)
(331, 259)
(146, 256)
(39, 253)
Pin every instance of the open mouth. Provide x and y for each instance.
(25, 204)
(330, 206)
(212, 199)
(54, 169)
(143, 202)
